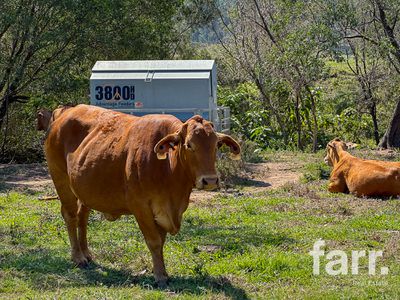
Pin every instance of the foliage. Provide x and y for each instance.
(248, 118)
(322, 69)
(20, 144)
(315, 171)
(47, 49)
(295, 74)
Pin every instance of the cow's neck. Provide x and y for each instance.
(180, 170)
(341, 154)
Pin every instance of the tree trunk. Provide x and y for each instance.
(315, 120)
(391, 139)
(375, 121)
(266, 99)
(298, 121)
(3, 110)
(392, 135)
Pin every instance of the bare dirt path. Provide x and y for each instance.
(33, 178)
(260, 177)
(29, 178)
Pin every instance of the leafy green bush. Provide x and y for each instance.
(251, 152)
(20, 141)
(315, 171)
(249, 117)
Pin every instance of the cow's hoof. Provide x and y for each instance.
(83, 265)
(162, 284)
(88, 255)
(81, 261)
(162, 281)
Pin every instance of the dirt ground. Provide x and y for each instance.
(24, 177)
(34, 178)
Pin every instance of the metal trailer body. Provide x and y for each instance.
(179, 87)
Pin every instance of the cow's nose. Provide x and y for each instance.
(210, 183)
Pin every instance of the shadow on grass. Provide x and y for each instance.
(45, 270)
(236, 237)
(24, 178)
(249, 182)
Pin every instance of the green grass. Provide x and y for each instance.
(229, 247)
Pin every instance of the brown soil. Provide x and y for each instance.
(259, 177)
(24, 177)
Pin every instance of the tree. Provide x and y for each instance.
(386, 15)
(47, 47)
(277, 47)
(373, 24)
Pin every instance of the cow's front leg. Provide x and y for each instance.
(337, 185)
(156, 247)
(155, 236)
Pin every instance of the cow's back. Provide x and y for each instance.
(372, 177)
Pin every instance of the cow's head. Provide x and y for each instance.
(43, 119)
(197, 143)
(333, 148)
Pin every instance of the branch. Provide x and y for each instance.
(357, 36)
(388, 30)
(4, 30)
(266, 27)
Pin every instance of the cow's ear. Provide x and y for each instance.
(231, 143)
(351, 145)
(166, 143)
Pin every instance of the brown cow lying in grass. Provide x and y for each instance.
(358, 176)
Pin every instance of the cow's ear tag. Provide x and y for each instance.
(162, 155)
(164, 145)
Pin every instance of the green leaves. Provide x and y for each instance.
(48, 47)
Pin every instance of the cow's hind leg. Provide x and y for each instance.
(83, 216)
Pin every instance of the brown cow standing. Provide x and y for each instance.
(120, 164)
(358, 176)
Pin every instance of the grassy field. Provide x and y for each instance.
(241, 245)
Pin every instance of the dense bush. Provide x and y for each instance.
(337, 116)
(20, 141)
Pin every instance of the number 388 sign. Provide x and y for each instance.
(126, 92)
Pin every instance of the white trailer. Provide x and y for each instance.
(179, 87)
